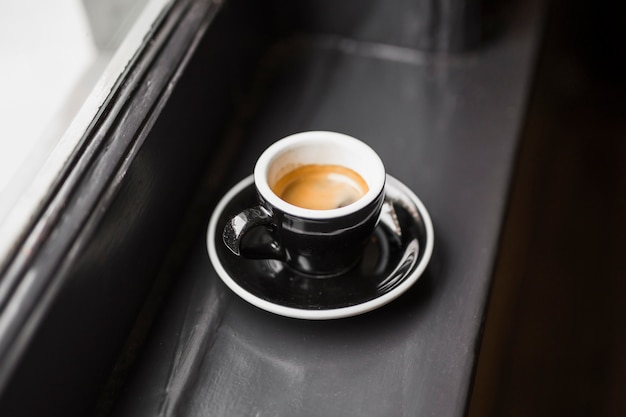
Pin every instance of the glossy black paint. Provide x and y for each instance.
(442, 25)
(447, 127)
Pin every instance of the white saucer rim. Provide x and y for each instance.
(329, 314)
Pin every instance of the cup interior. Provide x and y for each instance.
(320, 148)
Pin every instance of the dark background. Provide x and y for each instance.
(555, 340)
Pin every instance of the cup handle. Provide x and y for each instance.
(242, 223)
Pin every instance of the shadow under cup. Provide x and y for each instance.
(316, 242)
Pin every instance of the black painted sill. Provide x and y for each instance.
(217, 84)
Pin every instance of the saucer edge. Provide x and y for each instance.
(329, 314)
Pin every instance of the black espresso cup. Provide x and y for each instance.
(320, 197)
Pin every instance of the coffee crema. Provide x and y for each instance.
(321, 187)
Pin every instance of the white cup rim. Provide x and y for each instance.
(374, 174)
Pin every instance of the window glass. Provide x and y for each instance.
(58, 62)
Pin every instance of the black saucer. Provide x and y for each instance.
(393, 260)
